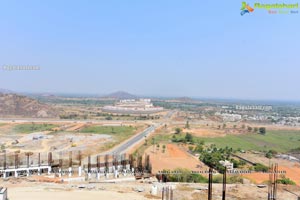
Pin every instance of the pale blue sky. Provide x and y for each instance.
(150, 47)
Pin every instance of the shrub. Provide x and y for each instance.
(260, 168)
(286, 181)
(262, 130)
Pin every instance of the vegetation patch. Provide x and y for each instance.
(279, 141)
(109, 130)
(286, 181)
(120, 133)
(182, 175)
(33, 127)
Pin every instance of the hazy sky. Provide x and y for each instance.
(150, 47)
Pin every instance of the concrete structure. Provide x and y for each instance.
(132, 106)
(26, 170)
(3, 193)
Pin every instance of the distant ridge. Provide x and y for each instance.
(121, 95)
(185, 99)
(5, 91)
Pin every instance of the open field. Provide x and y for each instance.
(281, 141)
(118, 133)
(29, 128)
(173, 157)
(202, 132)
(113, 130)
(292, 173)
(64, 136)
(292, 169)
(278, 140)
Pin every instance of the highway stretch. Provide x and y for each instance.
(139, 137)
(134, 140)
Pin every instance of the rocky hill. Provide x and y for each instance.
(22, 106)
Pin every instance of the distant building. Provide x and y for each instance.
(288, 157)
(3, 193)
(229, 117)
(132, 106)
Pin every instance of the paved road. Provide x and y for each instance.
(134, 140)
(139, 137)
(121, 148)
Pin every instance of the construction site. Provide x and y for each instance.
(124, 159)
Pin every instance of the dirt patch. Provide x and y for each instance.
(173, 157)
(175, 152)
(292, 173)
(201, 132)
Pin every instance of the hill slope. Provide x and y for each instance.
(22, 106)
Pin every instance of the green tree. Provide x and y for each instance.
(157, 147)
(178, 130)
(153, 143)
(164, 148)
(188, 137)
(187, 125)
(108, 118)
(112, 130)
(249, 128)
(262, 130)
(271, 153)
(224, 126)
(260, 168)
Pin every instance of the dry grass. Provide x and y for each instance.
(150, 196)
(184, 188)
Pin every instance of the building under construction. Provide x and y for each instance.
(73, 164)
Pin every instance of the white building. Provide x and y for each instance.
(3, 193)
(288, 157)
(229, 117)
(132, 106)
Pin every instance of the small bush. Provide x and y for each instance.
(286, 181)
(260, 168)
